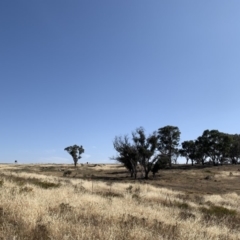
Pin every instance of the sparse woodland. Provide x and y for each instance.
(144, 154)
(122, 201)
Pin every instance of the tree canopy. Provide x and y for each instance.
(215, 146)
(168, 142)
(150, 153)
(75, 151)
(127, 154)
(142, 152)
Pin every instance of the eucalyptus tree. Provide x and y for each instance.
(234, 150)
(147, 150)
(140, 152)
(224, 146)
(127, 154)
(168, 142)
(210, 140)
(161, 163)
(201, 146)
(216, 145)
(188, 151)
(75, 151)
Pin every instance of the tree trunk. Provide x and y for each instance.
(214, 162)
(234, 161)
(134, 169)
(170, 161)
(75, 162)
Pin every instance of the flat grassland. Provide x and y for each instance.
(102, 202)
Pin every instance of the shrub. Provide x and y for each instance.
(40, 232)
(184, 215)
(181, 205)
(79, 188)
(47, 185)
(67, 173)
(218, 211)
(25, 189)
(111, 194)
(1, 182)
(129, 189)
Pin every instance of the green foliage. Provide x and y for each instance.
(188, 150)
(168, 141)
(234, 150)
(201, 150)
(75, 151)
(216, 145)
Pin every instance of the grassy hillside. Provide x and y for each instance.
(102, 202)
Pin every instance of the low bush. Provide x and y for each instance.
(46, 185)
(218, 211)
(1, 182)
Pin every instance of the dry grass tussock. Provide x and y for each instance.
(38, 206)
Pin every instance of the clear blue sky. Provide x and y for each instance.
(82, 72)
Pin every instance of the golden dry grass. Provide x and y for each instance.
(101, 202)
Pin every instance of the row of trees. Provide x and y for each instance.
(213, 147)
(147, 154)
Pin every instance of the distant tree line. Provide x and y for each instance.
(213, 147)
(144, 154)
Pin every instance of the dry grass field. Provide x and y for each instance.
(103, 202)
